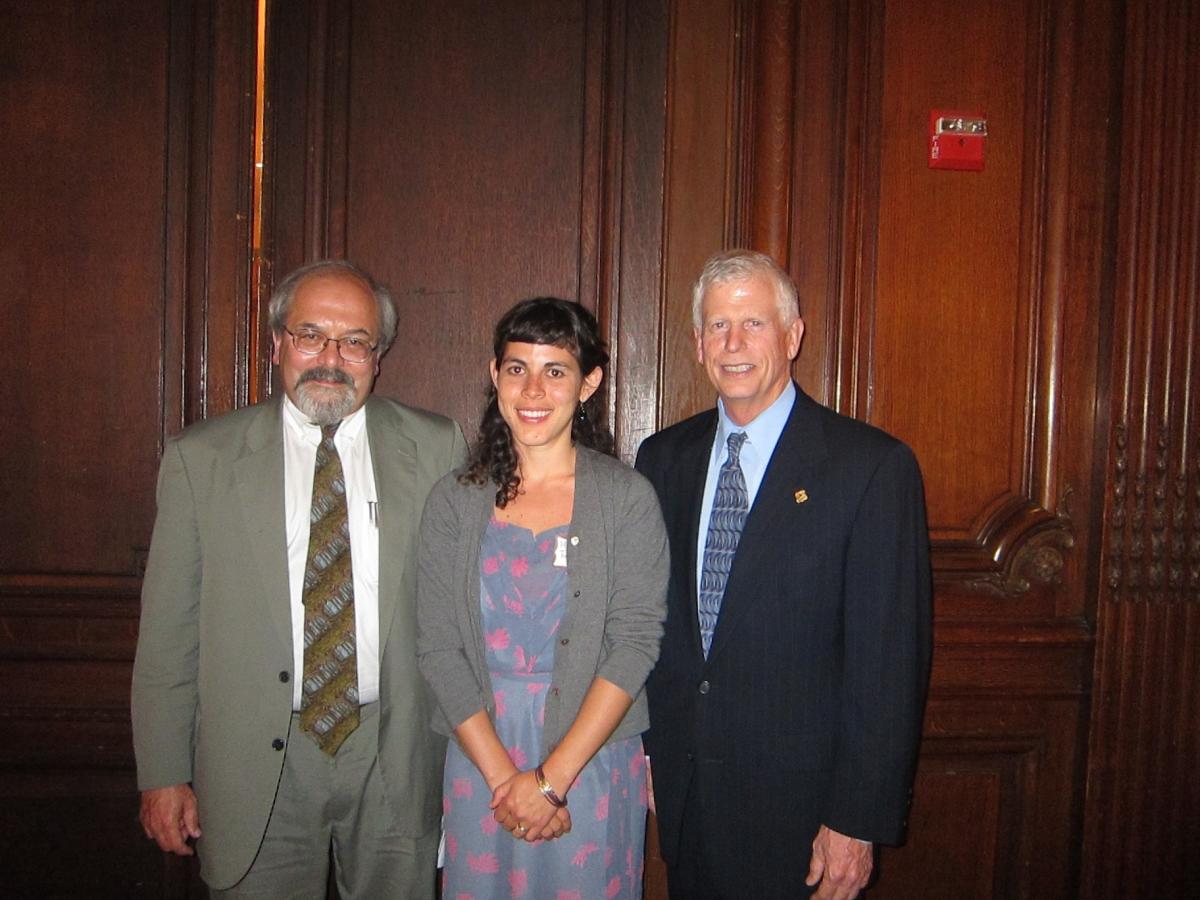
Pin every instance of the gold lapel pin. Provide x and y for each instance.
(801, 496)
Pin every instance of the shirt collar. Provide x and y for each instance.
(302, 428)
(764, 430)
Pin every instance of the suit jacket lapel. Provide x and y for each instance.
(259, 475)
(801, 445)
(691, 471)
(394, 461)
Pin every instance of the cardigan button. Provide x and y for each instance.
(285, 677)
(277, 744)
(565, 641)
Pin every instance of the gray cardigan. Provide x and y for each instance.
(616, 598)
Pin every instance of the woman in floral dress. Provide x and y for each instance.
(541, 597)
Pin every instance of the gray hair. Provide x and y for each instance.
(285, 293)
(730, 266)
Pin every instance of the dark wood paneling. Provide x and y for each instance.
(960, 346)
(73, 834)
(475, 154)
(1141, 836)
(124, 176)
(81, 178)
(701, 148)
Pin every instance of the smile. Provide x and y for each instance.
(738, 369)
(535, 414)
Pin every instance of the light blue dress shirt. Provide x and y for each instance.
(762, 434)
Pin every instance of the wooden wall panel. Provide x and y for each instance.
(947, 353)
(700, 175)
(123, 177)
(1141, 836)
(471, 156)
(82, 186)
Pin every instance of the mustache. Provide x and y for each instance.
(325, 373)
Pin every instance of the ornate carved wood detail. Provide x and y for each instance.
(1152, 531)
(1039, 558)
(1140, 833)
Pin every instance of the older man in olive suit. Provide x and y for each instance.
(279, 717)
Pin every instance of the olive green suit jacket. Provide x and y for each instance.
(212, 692)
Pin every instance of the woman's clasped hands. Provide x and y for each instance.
(523, 810)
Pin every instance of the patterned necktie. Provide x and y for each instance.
(329, 708)
(724, 530)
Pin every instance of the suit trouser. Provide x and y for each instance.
(337, 803)
(698, 874)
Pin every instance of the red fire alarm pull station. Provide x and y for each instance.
(956, 140)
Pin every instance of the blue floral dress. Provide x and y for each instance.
(523, 598)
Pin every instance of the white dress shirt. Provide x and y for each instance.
(300, 441)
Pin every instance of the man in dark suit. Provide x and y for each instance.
(278, 714)
(786, 705)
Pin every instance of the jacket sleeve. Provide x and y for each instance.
(441, 646)
(886, 661)
(164, 694)
(637, 604)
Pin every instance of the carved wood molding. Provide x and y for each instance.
(1028, 545)
(1152, 535)
(209, 194)
(68, 617)
(1139, 833)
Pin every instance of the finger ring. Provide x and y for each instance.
(521, 827)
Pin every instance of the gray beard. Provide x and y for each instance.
(325, 405)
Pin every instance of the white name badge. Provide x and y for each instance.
(560, 552)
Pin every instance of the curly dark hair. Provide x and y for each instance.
(539, 320)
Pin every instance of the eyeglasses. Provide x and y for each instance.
(352, 349)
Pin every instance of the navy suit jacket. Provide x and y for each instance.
(808, 709)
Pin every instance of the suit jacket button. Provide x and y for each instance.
(277, 743)
(285, 677)
(704, 687)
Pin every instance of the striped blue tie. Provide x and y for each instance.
(729, 509)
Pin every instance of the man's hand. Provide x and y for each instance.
(169, 817)
(841, 864)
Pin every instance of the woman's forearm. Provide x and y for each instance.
(480, 742)
(603, 708)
